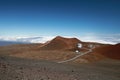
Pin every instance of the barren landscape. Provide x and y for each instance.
(59, 39)
(42, 61)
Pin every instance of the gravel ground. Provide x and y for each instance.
(25, 69)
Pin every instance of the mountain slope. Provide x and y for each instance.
(61, 43)
(110, 51)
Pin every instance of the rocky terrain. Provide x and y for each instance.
(24, 69)
(40, 61)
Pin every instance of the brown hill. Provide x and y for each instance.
(18, 48)
(109, 51)
(61, 43)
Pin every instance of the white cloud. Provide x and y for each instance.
(27, 39)
(106, 39)
(36, 39)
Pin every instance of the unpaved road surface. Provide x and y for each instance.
(23, 69)
(79, 54)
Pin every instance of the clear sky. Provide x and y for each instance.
(59, 17)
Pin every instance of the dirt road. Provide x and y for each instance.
(79, 54)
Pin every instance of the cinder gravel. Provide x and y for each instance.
(24, 69)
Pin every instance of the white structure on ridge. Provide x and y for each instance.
(76, 51)
(79, 45)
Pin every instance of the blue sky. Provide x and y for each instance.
(59, 17)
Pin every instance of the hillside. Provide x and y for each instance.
(61, 43)
(60, 49)
(110, 51)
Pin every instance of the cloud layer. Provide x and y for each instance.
(27, 39)
(106, 39)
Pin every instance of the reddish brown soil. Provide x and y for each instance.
(61, 48)
(61, 43)
(111, 51)
(12, 68)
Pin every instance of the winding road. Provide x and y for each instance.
(80, 54)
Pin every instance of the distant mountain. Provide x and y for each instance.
(61, 43)
(5, 43)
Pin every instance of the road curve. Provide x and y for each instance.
(90, 50)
